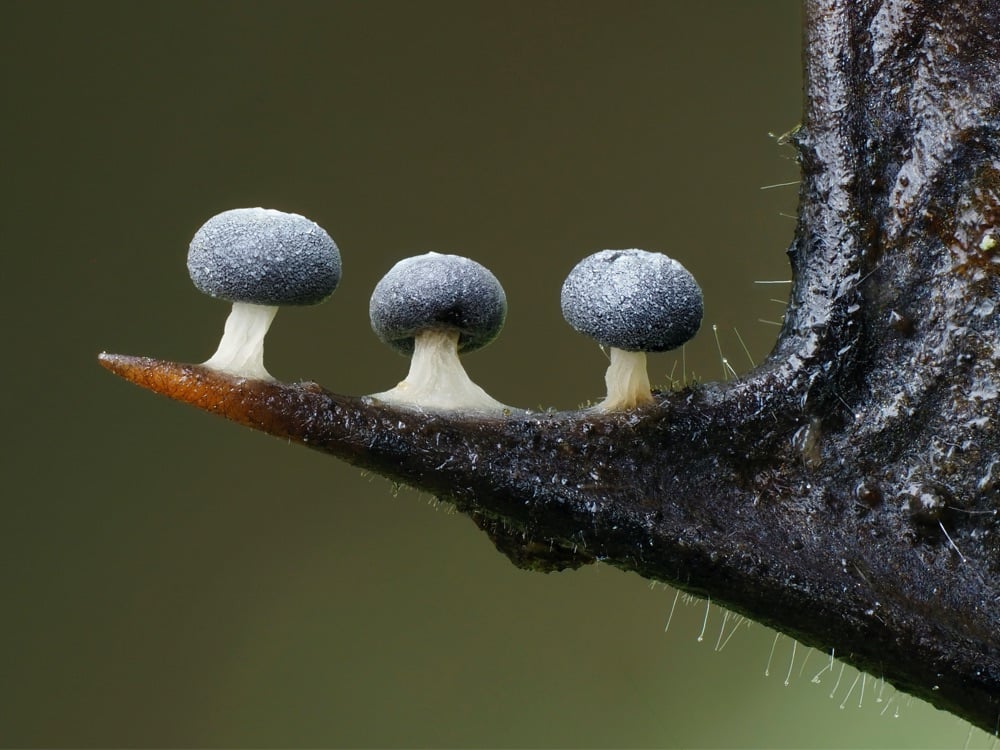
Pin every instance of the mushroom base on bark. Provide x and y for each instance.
(627, 381)
(437, 380)
(241, 350)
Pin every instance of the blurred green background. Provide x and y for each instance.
(170, 579)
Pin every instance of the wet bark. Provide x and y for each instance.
(847, 491)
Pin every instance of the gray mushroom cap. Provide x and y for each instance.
(438, 292)
(633, 300)
(264, 257)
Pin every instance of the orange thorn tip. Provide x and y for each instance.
(248, 401)
(172, 379)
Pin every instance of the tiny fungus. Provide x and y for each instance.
(259, 259)
(633, 302)
(434, 307)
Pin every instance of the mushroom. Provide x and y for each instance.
(634, 302)
(258, 259)
(432, 308)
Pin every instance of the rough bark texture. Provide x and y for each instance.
(846, 492)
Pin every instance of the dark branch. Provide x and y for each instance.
(847, 492)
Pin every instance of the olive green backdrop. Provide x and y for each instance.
(170, 579)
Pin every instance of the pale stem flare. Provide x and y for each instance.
(437, 379)
(241, 350)
(627, 381)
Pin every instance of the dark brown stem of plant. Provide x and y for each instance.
(847, 491)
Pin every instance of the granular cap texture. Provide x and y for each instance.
(633, 300)
(438, 292)
(264, 257)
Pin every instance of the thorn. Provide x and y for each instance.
(740, 619)
(891, 699)
(722, 628)
(791, 664)
(722, 359)
(672, 608)
(704, 623)
(780, 184)
(767, 668)
(745, 349)
(850, 690)
(951, 541)
(839, 678)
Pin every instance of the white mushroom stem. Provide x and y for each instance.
(241, 350)
(627, 381)
(437, 379)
